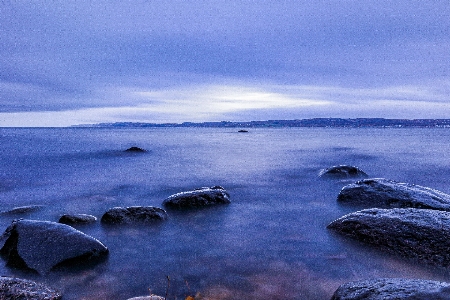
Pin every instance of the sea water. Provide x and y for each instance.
(271, 242)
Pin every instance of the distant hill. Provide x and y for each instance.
(316, 122)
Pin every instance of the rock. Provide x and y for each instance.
(77, 219)
(21, 289)
(135, 149)
(22, 210)
(384, 193)
(134, 214)
(198, 198)
(243, 130)
(342, 172)
(41, 245)
(393, 288)
(151, 297)
(422, 234)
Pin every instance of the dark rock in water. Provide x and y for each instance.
(22, 209)
(393, 288)
(343, 172)
(135, 149)
(243, 130)
(202, 197)
(21, 289)
(77, 219)
(383, 193)
(423, 234)
(134, 214)
(41, 245)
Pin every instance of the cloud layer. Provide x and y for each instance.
(215, 60)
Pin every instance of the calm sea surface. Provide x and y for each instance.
(271, 242)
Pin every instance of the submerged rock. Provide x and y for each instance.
(22, 210)
(198, 198)
(41, 245)
(134, 214)
(21, 289)
(393, 288)
(77, 219)
(416, 233)
(342, 172)
(135, 149)
(384, 193)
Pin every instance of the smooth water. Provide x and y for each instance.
(270, 243)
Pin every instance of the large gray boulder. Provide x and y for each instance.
(198, 198)
(41, 245)
(422, 234)
(21, 289)
(342, 172)
(134, 214)
(384, 193)
(393, 288)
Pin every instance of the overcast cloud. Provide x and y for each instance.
(72, 62)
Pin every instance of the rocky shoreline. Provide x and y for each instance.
(408, 220)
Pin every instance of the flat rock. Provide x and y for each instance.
(134, 214)
(41, 245)
(393, 288)
(384, 193)
(21, 289)
(422, 234)
(151, 297)
(72, 219)
(22, 210)
(198, 198)
(342, 172)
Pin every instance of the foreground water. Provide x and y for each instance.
(270, 243)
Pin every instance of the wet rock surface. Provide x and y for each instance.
(384, 193)
(135, 149)
(21, 289)
(133, 214)
(22, 210)
(422, 234)
(343, 172)
(72, 219)
(393, 288)
(42, 245)
(202, 197)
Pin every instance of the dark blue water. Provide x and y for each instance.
(270, 243)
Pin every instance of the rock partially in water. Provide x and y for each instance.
(73, 219)
(393, 288)
(135, 150)
(342, 172)
(151, 297)
(22, 210)
(21, 289)
(134, 214)
(384, 193)
(42, 245)
(422, 234)
(203, 197)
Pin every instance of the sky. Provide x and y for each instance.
(67, 62)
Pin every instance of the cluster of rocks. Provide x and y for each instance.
(409, 220)
(40, 246)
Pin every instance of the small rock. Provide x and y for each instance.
(422, 234)
(22, 210)
(384, 193)
(41, 245)
(77, 219)
(135, 149)
(342, 172)
(202, 197)
(151, 297)
(21, 289)
(393, 288)
(134, 214)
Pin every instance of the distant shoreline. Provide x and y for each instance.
(315, 122)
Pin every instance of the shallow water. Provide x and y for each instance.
(271, 242)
